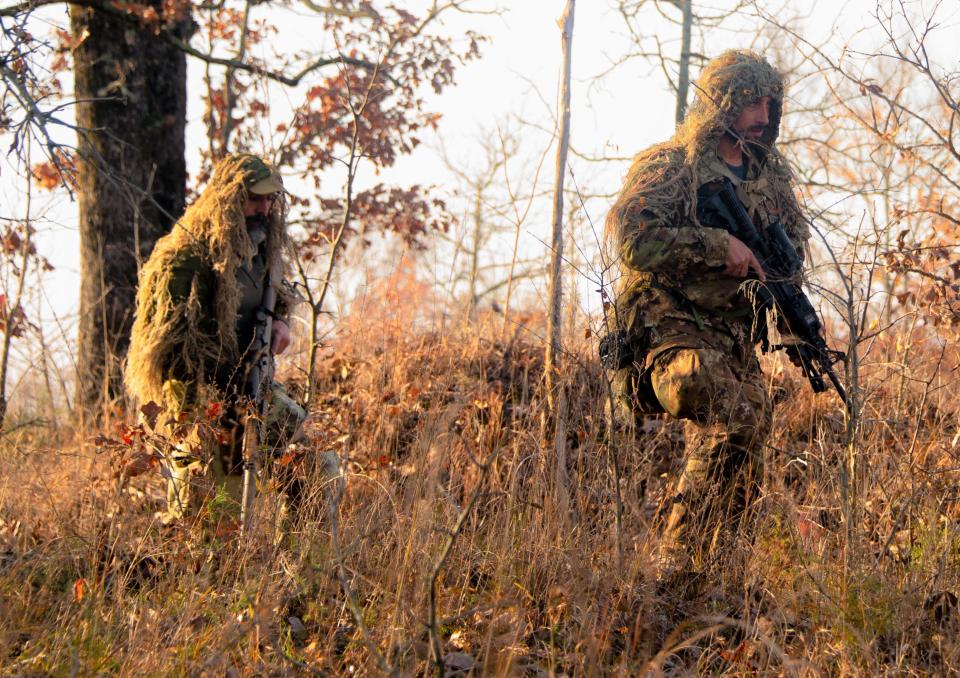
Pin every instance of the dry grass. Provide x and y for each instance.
(850, 566)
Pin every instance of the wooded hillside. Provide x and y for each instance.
(464, 503)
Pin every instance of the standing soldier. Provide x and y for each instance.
(684, 298)
(197, 304)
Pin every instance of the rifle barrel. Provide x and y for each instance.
(257, 381)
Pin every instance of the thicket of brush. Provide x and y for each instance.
(452, 531)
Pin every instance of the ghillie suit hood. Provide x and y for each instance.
(663, 180)
(173, 336)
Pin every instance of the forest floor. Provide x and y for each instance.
(452, 528)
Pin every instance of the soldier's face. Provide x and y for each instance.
(753, 119)
(259, 205)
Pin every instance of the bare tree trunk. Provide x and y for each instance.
(131, 99)
(556, 255)
(230, 100)
(555, 400)
(475, 253)
(573, 304)
(683, 78)
(12, 307)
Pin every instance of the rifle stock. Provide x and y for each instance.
(721, 208)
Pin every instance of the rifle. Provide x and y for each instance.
(721, 208)
(255, 397)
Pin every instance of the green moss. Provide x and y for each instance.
(936, 545)
(869, 606)
(222, 507)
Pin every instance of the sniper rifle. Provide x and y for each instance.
(255, 397)
(719, 207)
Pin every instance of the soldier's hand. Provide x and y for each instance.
(795, 356)
(740, 260)
(281, 337)
(795, 359)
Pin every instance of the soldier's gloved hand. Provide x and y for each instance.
(795, 356)
(281, 337)
(740, 260)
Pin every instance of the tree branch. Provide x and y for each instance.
(171, 39)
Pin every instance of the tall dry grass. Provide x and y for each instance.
(849, 565)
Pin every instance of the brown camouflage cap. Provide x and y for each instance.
(262, 178)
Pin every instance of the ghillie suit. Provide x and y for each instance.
(189, 297)
(692, 327)
(197, 296)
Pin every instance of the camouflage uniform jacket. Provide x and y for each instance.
(673, 291)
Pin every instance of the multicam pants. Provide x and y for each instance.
(728, 418)
(727, 412)
(284, 419)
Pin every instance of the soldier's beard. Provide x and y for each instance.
(257, 227)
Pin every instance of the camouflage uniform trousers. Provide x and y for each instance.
(284, 419)
(728, 414)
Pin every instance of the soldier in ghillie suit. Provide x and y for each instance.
(683, 299)
(196, 306)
